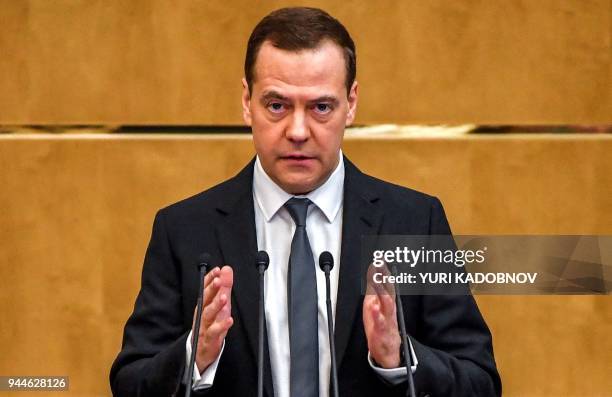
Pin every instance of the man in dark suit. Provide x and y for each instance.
(299, 197)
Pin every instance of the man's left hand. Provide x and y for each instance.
(380, 322)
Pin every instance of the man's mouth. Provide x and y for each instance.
(297, 157)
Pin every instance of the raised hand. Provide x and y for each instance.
(216, 315)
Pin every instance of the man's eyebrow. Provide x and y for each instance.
(325, 98)
(267, 95)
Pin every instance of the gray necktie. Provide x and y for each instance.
(302, 303)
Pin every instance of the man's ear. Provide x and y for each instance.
(352, 104)
(246, 102)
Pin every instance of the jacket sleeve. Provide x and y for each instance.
(153, 354)
(454, 344)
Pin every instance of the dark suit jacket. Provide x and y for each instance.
(450, 338)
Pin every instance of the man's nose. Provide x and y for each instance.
(298, 130)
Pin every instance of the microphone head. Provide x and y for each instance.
(204, 260)
(326, 259)
(262, 259)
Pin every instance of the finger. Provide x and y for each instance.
(209, 292)
(367, 309)
(379, 290)
(381, 323)
(226, 281)
(210, 275)
(209, 285)
(212, 289)
(219, 329)
(386, 289)
(378, 318)
(388, 286)
(387, 304)
(226, 276)
(211, 311)
(221, 278)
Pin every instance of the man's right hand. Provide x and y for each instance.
(216, 315)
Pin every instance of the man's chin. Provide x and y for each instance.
(299, 184)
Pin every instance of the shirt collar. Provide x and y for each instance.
(270, 197)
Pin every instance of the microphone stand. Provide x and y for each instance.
(410, 391)
(262, 261)
(326, 263)
(203, 267)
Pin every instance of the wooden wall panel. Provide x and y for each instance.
(160, 62)
(77, 212)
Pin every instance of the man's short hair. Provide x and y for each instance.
(296, 29)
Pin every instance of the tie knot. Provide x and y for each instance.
(298, 209)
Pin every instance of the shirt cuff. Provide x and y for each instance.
(394, 376)
(205, 380)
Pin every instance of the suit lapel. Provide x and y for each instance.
(238, 245)
(361, 217)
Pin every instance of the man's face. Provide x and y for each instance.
(297, 110)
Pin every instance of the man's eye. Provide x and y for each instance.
(276, 107)
(322, 108)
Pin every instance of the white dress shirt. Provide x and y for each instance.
(275, 228)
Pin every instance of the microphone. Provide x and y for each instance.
(410, 391)
(326, 263)
(262, 260)
(203, 265)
